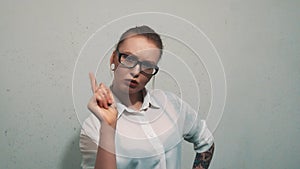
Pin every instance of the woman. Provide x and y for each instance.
(135, 128)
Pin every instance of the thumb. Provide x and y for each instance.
(111, 98)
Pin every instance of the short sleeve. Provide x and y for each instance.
(195, 130)
(200, 136)
(88, 151)
(88, 143)
(192, 128)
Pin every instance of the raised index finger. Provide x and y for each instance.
(93, 81)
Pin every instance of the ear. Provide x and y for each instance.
(112, 58)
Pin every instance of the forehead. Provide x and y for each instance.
(141, 47)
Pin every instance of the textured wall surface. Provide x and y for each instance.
(258, 43)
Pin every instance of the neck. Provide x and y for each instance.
(131, 100)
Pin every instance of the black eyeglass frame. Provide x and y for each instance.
(155, 67)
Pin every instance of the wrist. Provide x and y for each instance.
(107, 137)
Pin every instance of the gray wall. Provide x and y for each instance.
(258, 43)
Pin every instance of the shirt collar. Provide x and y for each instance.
(149, 102)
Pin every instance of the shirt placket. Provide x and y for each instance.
(155, 142)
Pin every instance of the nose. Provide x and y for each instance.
(135, 71)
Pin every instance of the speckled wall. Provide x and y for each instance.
(258, 43)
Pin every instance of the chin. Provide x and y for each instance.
(133, 90)
(129, 90)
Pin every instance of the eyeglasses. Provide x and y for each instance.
(130, 61)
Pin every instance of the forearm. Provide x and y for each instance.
(202, 160)
(106, 158)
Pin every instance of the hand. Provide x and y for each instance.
(102, 104)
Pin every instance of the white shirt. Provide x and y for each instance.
(151, 137)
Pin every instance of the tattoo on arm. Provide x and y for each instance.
(202, 160)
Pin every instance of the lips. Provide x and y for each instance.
(132, 83)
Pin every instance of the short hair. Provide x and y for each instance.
(144, 31)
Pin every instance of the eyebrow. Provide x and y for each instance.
(129, 53)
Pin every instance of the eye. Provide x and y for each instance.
(148, 65)
(126, 57)
(130, 58)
